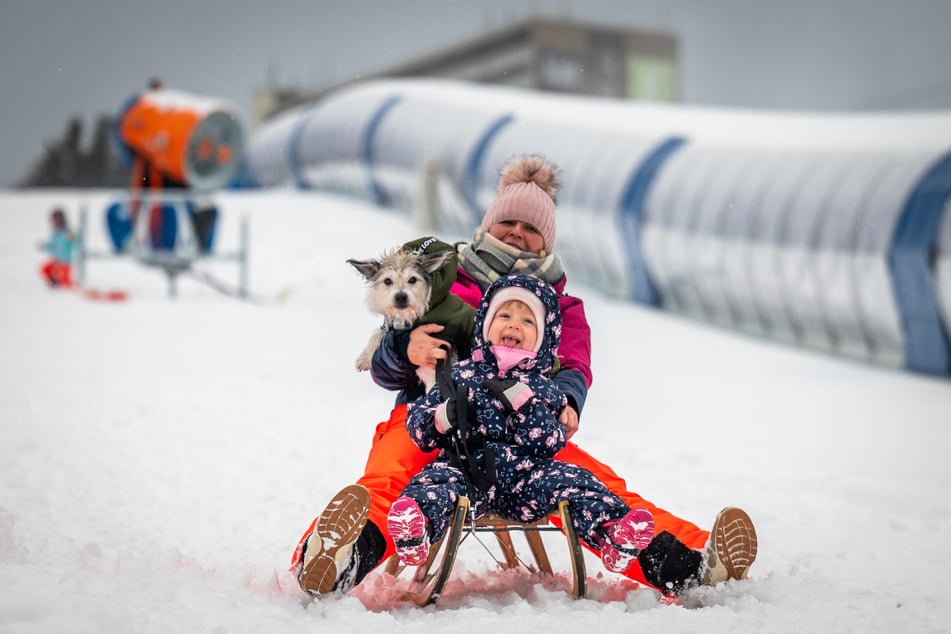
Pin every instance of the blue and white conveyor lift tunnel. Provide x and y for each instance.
(830, 231)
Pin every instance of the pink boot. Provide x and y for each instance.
(407, 527)
(626, 537)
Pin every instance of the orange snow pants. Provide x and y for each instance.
(394, 459)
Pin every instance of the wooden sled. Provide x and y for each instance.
(430, 578)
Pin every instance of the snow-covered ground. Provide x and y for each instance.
(160, 458)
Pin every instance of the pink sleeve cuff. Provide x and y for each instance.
(518, 395)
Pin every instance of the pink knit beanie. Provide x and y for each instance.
(526, 192)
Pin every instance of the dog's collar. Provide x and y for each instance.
(385, 328)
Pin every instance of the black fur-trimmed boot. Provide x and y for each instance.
(669, 565)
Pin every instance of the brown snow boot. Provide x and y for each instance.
(731, 548)
(328, 552)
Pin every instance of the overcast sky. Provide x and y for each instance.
(85, 57)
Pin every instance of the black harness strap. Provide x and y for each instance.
(462, 447)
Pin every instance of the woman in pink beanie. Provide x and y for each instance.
(517, 235)
(524, 208)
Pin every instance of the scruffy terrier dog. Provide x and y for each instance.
(399, 288)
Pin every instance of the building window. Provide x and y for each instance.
(559, 71)
(651, 79)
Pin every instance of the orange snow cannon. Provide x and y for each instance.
(185, 140)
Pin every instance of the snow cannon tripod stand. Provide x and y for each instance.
(171, 232)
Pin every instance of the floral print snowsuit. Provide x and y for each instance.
(529, 484)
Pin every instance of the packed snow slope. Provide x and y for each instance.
(159, 458)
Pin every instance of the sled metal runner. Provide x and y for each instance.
(430, 578)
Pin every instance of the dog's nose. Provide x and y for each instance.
(401, 299)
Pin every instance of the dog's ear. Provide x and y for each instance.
(434, 261)
(368, 268)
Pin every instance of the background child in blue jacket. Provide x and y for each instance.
(58, 270)
(497, 431)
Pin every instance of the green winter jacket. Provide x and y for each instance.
(444, 308)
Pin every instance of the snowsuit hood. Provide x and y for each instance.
(549, 331)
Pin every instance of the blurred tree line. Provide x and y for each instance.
(65, 163)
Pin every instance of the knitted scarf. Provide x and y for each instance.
(487, 259)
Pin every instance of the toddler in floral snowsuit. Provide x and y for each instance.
(495, 424)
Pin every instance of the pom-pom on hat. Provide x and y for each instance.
(526, 192)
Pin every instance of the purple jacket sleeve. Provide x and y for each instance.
(390, 367)
(574, 378)
(574, 353)
(572, 383)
